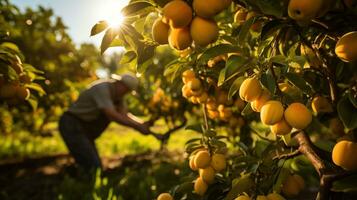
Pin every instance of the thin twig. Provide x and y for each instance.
(287, 155)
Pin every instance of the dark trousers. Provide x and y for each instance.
(79, 138)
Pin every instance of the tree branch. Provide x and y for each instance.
(328, 174)
(287, 155)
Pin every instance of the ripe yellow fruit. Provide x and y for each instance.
(281, 128)
(202, 159)
(303, 10)
(192, 163)
(211, 104)
(186, 91)
(261, 197)
(218, 162)
(259, 102)
(275, 196)
(177, 14)
(298, 116)
(8, 90)
(187, 76)
(272, 112)
(321, 105)
(180, 38)
(207, 174)
(22, 93)
(194, 99)
(165, 196)
(224, 4)
(344, 155)
(243, 197)
(194, 84)
(346, 47)
(293, 185)
(160, 31)
(204, 31)
(200, 186)
(225, 113)
(213, 114)
(207, 8)
(250, 89)
(240, 16)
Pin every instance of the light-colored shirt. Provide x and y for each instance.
(91, 101)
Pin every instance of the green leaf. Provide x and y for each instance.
(216, 51)
(247, 110)
(234, 65)
(135, 7)
(279, 59)
(283, 174)
(271, 7)
(36, 87)
(99, 27)
(33, 102)
(294, 60)
(352, 99)
(132, 32)
(195, 127)
(145, 53)
(299, 82)
(348, 184)
(172, 69)
(267, 79)
(127, 57)
(347, 113)
(192, 140)
(270, 28)
(30, 68)
(244, 31)
(235, 87)
(240, 185)
(12, 46)
(191, 147)
(109, 36)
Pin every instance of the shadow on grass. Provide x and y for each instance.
(133, 177)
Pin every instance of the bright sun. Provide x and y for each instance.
(110, 11)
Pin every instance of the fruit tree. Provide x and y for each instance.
(272, 84)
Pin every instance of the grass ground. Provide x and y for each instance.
(115, 140)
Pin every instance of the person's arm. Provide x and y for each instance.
(124, 119)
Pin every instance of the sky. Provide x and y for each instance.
(79, 15)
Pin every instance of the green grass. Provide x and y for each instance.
(115, 140)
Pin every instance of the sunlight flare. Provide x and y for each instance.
(110, 12)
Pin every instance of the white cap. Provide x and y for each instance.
(128, 79)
